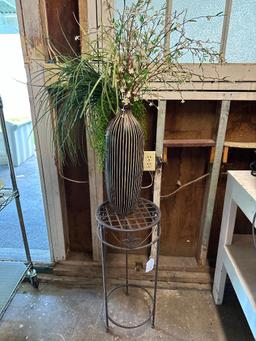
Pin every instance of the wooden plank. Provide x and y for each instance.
(225, 28)
(213, 181)
(31, 25)
(232, 72)
(204, 86)
(159, 155)
(164, 275)
(212, 155)
(62, 33)
(90, 19)
(225, 154)
(117, 260)
(243, 145)
(160, 128)
(189, 120)
(72, 282)
(83, 22)
(201, 95)
(234, 84)
(189, 143)
(180, 214)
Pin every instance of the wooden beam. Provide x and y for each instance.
(225, 154)
(83, 23)
(209, 201)
(243, 145)
(160, 127)
(88, 17)
(204, 86)
(201, 95)
(212, 155)
(225, 28)
(31, 17)
(241, 87)
(240, 72)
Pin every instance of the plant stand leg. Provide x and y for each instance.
(103, 261)
(156, 276)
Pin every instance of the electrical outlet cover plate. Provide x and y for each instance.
(149, 163)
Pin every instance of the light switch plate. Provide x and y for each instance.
(149, 163)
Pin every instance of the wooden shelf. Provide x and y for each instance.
(240, 264)
(189, 143)
(242, 145)
(245, 145)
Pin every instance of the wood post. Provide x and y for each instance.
(88, 18)
(31, 16)
(159, 155)
(209, 201)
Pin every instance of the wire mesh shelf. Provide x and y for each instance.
(131, 232)
(145, 215)
(6, 196)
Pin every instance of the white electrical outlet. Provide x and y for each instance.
(149, 163)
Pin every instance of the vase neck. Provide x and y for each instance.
(126, 111)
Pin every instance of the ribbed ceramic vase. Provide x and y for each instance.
(124, 162)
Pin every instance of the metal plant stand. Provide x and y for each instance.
(13, 272)
(128, 234)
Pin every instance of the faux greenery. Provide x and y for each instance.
(123, 57)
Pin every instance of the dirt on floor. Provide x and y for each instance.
(58, 314)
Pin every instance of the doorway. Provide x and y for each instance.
(14, 93)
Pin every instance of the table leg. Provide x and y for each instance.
(226, 234)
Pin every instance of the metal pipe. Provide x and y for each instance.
(14, 183)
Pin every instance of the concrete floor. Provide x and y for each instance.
(11, 244)
(59, 314)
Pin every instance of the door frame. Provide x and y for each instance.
(32, 25)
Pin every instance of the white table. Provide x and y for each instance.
(236, 253)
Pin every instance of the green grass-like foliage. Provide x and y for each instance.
(122, 59)
(83, 98)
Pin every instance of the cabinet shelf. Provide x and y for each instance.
(6, 196)
(177, 143)
(188, 143)
(244, 145)
(241, 145)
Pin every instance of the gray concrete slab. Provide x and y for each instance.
(11, 244)
(55, 313)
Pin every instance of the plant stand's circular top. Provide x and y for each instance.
(129, 232)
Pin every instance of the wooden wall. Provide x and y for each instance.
(62, 17)
(181, 213)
